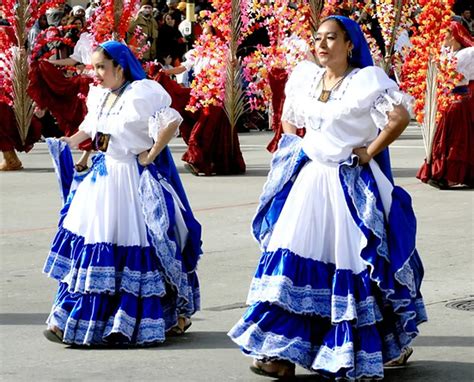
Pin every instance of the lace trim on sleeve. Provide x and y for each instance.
(294, 111)
(162, 119)
(293, 115)
(385, 103)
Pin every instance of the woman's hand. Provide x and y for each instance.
(363, 155)
(143, 159)
(67, 140)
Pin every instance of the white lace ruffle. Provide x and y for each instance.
(385, 103)
(365, 364)
(161, 120)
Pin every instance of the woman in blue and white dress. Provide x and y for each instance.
(337, 289)
(127, 247)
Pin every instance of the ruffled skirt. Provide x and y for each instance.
(452, 160)
(115, 286)
(213, 148)
(316, 298)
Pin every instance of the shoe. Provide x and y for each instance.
(402, 360)
(54, 335)
(440, 185)
(180, 328)
(193, 170)
(279, 369)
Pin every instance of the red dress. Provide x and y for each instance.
(277, 78)
(64, 97)
(207, 133)
(452, 154)
(10, 136)
(212, 147)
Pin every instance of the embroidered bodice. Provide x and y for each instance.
(134, 119)
(351, 118)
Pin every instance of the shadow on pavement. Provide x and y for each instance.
(439, 371)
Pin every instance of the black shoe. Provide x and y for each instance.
(439, 184)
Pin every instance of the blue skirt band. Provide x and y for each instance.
(87, 319)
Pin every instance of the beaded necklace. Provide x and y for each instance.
(326, 94)
(119, 91)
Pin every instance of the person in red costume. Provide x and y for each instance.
(10, 140)
(64, 96)
(213, 149)
(452, 161)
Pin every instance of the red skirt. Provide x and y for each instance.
(277, 78)
(64, 97)
(210, 146)
(452, 158)
(10, 136)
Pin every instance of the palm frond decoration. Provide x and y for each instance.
(234, 103)
(316, 7)
(117, 12)
(428, 127)
(22, 103)
(387, 64)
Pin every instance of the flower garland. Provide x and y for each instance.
(280, 21)
(290, 42)
(208, 86)
(6, 64)
(103, 24)
(433, 23)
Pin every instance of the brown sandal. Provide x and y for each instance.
(180, 328)
(280, 369)
(402, 360)
(53, 334)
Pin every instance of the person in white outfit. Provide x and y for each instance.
(337, 289)
(127, 247)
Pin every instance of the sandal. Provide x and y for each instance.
(80, 167)
(180, 328)
(191, 168)
(402, 360)
(279, 369)
(53, 334)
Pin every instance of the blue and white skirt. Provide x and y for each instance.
(118, 259)
(316, 299)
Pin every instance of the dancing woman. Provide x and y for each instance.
(337, 289)
(452, 159)
(127, 247)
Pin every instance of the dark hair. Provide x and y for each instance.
(341, 25)
(126, 72)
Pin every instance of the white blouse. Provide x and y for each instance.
(133, 121)
(465, 64)
(83, 49)
(351, 118)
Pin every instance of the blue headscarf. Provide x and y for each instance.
(125, 58)
(361, 56)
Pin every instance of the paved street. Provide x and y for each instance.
(224, 205)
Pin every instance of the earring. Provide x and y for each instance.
(349, 54)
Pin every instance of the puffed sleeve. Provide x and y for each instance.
(302, 75)
(150, 103)
(385, 103)
(371, 90)
(465, 63)
(95, 98)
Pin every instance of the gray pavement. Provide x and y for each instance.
(29, 207)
